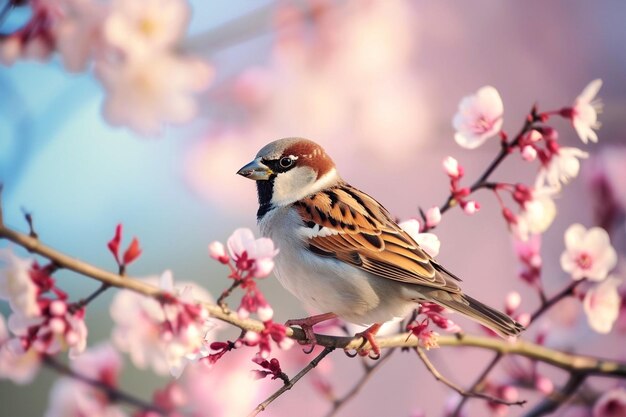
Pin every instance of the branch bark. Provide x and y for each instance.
(286, 387)
(572, 363)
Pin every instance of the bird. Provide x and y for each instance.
(341, 253)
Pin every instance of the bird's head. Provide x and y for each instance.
(288, 170)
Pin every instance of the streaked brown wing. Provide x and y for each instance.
(351, 226)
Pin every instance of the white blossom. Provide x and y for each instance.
(479, 117)
(585, 112)
(562, 167)
(16, 284)
(588, 253)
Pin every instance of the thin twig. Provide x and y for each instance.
(543, 308)
(505, 150)
(287, 386)
(369, 371)
(85, 301)
(113, 394)
(226, 293)
(429, 365)
(546, 305)
(552, 402)
(477, 385)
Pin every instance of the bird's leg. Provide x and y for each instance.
(307, 326)
(369, 335)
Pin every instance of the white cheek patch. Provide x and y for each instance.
(298, 183)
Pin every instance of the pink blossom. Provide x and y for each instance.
(144, 94)
(248, 252)
(539, 211)
(16, 284)
(428, 339)
(427, 241)
(470, 207)
(529, 153)
(588, 253)
(140, 27)
(433, 217)
(78, 32)
(225, 383)
(602, 304)
(101, 362)
(563, 166)
(611, 404)
(584, 114)
(512, 302)
(50, 335)
(452, 168)
(17, 365)
(70, 397)
(544, 385)
(162, 336)
(217, 251)
(479, 117)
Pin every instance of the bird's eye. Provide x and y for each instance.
(285, 162)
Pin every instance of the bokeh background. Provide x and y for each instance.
(377, 84)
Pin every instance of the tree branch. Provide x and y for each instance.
(477, 385)
(114, 394)
(555, 400)
(547, 304)
(465, 394)
(569, 362)
(287, 386)
(367, 375)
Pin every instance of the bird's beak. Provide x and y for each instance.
(256, 170)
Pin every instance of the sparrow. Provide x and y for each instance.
(341, 252)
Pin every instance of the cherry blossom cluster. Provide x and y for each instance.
(42, 320)
(248, 259)
(426, 314)
(165, 334)
(459, 194)
(132, 48)
(73, 397)
(480, 117)
(589, 256)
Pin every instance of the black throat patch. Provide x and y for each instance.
(265, 190)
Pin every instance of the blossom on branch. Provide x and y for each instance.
(561, 166)
(142, 27)
(611, 404)
(79, 33)
(584, 113)
(161, 335)
(529, 254)
(588, 253)
(17, 365)
(249, 253)
(16, 284)
(602, 304)
(71, 397)
(427, 241)
(479, 117)
(146, 92)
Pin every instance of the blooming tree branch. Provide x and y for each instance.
(113, 394)
(465, 394)
(172, 327)
(369, 370)
(568, 362)
(291, 382)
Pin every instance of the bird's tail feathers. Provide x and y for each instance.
(485, 315)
